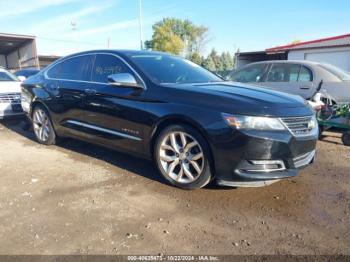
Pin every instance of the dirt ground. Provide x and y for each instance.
(77, 198)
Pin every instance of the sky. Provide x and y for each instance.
(67, 26)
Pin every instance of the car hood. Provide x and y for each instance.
(245, 99)
(10, 87)
(253, 94)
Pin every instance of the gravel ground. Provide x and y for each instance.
(77, 198)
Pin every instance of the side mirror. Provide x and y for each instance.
(21, 78)
(123, 79)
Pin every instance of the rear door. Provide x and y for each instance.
(290, 78)
(66, 83)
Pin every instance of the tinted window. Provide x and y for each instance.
(172, 69)
(305, 75)
(253, 73)
(54, 71)
(76, 68)
(7, 76)
(283, 73)
(106, 65)
(26, 73)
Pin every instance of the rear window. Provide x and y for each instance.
(338, 72)
(7, 76)
(281, 72)
(26, 73)
(76, 68)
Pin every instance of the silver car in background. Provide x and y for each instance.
(297, 78)
(10, 95)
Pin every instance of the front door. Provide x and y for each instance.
(113, 114)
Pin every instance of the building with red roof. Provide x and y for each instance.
(334, 50)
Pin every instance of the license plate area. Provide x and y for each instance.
(16, 108)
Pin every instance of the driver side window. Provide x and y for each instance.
(253, 73)
(106, 65)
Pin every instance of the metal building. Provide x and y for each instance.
(18, 51)
(333, 50)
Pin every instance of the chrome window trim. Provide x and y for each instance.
(92, 82)
(108, 131)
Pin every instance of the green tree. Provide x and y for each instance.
(209, 64)
(196, 58)
(165, 38)
(216, 59)
(226, 61)
(178, 37)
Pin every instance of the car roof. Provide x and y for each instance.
(28, 69)
(302, 62)
(123, 52)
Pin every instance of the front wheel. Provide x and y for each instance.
(43, 128)
(183, 157)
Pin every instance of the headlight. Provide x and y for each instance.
(253, 122)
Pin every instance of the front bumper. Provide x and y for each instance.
(264, 177)
(8, 110)
(260, 158)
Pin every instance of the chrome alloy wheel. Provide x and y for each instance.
(41, 125)
(181, 157)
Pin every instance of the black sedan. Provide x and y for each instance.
(194, 125)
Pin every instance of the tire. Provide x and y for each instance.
(42, 126)
(346, 138)
(320, 133)
(183, 157)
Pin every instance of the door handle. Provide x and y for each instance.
(90, 91)
(305, 87)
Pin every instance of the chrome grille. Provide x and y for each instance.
(299, 126)
(14, 98)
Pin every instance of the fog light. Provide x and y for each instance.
(262, 166)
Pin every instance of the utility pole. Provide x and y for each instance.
(140, 23)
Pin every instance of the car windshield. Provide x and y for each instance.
(7, 76)
(166, 69)
(26, 73)
(340, 73)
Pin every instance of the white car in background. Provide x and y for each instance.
(10, 95)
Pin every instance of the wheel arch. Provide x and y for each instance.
(37, 103)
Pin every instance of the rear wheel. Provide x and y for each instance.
(43, 128)
(183, 158)
(346, 138)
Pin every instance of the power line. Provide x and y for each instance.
(69, 41)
